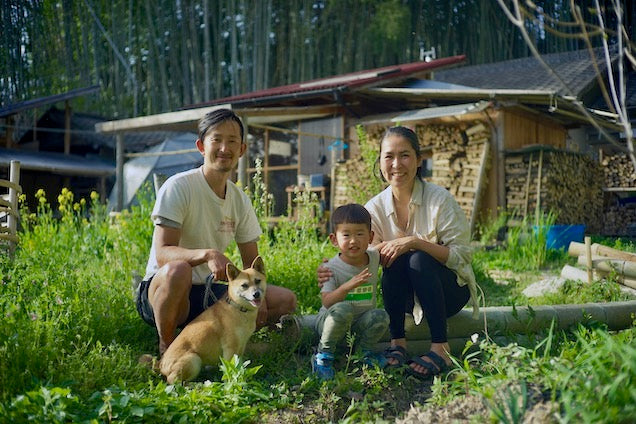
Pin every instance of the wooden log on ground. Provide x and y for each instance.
(622, 268)
(578, 249)
(501, 320)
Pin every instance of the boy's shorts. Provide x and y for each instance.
(197, 297)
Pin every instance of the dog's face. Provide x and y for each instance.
(247, 287)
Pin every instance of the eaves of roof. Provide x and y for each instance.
(57, 163)
(42, 101)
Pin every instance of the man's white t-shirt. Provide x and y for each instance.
(206, 221)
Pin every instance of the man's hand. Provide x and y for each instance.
(216, 262)
(324, 273)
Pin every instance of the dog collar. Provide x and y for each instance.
(236, 305)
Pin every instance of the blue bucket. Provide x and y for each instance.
(560, 236)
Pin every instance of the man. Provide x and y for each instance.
(197, 214)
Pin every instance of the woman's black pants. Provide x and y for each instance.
(435, 286)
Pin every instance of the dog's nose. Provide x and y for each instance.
(257, 294)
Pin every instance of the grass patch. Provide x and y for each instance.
(71, 339)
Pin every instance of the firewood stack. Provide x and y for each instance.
(619, 171)
(569, 185)
(620, 217)
(460, 161)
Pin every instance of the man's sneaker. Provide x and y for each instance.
(374, 359)
(322, 365)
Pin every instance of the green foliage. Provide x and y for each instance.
(369, 153)
(588, 374)
(525, 245)
(71, 338)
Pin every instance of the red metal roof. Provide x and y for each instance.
(365, 78)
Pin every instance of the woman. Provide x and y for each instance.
(423, 238)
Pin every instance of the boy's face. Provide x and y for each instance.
(352, 239)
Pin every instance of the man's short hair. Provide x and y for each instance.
(216, 117)
(351, 213)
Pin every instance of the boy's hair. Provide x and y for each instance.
(351, 213)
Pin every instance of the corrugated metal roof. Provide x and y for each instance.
(57, 163)
(441, 111)
(363, 78)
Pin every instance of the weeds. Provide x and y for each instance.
(71, 338)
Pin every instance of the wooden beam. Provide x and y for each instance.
(67, 127)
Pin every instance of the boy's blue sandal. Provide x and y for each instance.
(436, 367)
(374, 359)
(322, 365)
(395, 352)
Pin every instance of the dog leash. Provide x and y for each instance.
(208, 292)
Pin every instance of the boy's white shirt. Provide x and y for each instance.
(206, 221)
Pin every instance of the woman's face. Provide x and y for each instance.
(398, 161)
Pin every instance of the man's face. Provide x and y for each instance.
(222, 146)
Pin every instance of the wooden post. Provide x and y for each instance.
(588, 259)
(67, 128)
(244, 160)
(119, 172)
(527, 200)
(12, 218)
(9, 132)
(538, 206)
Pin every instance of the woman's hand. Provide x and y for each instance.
(391, 250)
(323, 273)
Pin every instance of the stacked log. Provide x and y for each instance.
(619, 171)
(567, 184)
(460, 161)
(619, 220)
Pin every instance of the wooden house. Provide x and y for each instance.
(484, 128)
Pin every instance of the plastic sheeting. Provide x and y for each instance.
(139, 170)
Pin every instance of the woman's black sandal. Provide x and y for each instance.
(398, 353)
(436, 367)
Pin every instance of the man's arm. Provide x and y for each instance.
(168, 250)
(249, 252)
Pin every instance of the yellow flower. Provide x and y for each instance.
(76, 207)
(82, 201)
(40, 193)
(94, 196)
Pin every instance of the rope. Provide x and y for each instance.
(208, 292)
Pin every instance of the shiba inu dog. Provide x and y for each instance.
(222, 330)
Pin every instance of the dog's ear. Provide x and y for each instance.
(231, 271)
(258, 265)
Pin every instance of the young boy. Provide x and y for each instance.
(349, 296)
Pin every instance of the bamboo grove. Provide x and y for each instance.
(151, 56)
